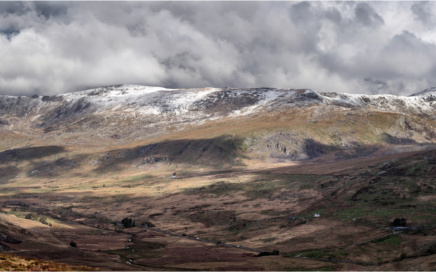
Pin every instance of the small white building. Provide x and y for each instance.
(317, 215)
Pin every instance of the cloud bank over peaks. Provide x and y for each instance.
(354, 47)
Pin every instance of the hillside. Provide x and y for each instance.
(252, 167)
(267, 123)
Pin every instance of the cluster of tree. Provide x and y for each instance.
(128, 222)
(399, 222)
(41, 219)
(267, 253)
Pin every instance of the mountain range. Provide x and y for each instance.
(294, 124)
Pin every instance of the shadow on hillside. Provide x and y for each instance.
(426, 160)
(289, 183)
(56, 167)
(314, 149)
(216, 152)
(7, 173)
(397, 140)
(29, 153)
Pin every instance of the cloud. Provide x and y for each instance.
(422, 12)
(355, 47)
(366, 15)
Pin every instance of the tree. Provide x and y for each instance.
(399, 222)
(128, 222)
(43, 220)
(148, 224)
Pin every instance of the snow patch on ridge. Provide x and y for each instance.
(162, 105)
(426, 92)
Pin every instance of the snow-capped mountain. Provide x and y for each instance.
(129, 112)
(427, 92)
(196, 104)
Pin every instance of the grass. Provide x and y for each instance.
(274, 213)
(423, 217)
(83, 187)
(260, 188)
(134, 178)
(417, 169)
(370, 216)
(139, 250)
(389, 213)
(350, 213)
(393, 240)
(10, 262)
(120, 197)
(355, 213)
(318, 254)
(267, 240)
(214, 218)
(266, 185)
(218, 189)
(389, 190)
(322, 268)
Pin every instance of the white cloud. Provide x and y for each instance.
(372, 47)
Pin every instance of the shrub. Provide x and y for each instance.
(73, 244)
(432, 249)
(43, 220)
(128, 222)
(399, 222)
(148, 224)
(421, 229)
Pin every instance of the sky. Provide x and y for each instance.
(49, 48)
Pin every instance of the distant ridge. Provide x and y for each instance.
(428, 91)
(269, 123)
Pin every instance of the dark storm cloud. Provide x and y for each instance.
(12, 8)
(376, 85)
(50, 9)
(366, 15)
(421, 12)
(370, 47)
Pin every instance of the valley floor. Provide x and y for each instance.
(307, 216)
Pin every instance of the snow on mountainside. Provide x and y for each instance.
(199, 103)
(391, 103)
(139, 110)
(279, 124)
(216, 101)
(154, 103)
(427, 92)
